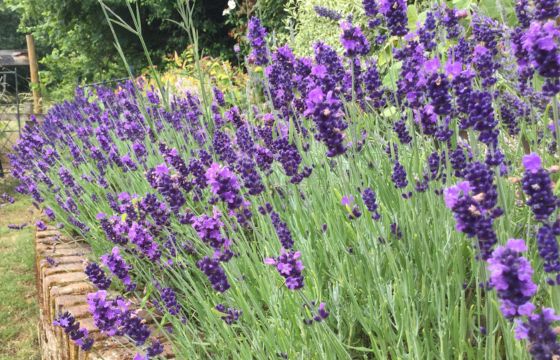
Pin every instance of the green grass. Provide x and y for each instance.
(18, 306)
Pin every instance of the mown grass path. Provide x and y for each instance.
(18, 306)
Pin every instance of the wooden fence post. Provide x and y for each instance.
(34, 69)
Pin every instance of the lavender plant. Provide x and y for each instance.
(231, 220)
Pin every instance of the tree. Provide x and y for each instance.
(75, 43)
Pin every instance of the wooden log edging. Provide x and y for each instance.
(63, 286)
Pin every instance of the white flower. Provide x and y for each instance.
(230, 6)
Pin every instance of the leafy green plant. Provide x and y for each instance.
(308, 27)
(179, 70)
(10, 38)
(75, 47)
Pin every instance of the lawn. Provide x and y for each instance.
(18, 306)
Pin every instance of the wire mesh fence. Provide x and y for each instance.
(12, 110)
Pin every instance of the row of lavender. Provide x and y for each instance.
(189, 207)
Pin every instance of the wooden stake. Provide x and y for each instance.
(34, 69)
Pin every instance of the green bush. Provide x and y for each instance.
(308, 27)
(9, 36)
(75, 45)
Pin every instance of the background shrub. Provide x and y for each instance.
(308, 27)
(75, 44)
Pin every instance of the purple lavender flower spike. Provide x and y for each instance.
(451, 22)
(395, 15)
(438, 88)
(353, 40)
(481, 180)
(536, 183)
(49, 212)
(546, 9)
(472, 203)
(289, 267)
(333, 73)
(224, 185)
(548, 249)
(522, 12)
(282, 231)
(113, 317)
(353, 209)
(327, 13)
(251, 178)
(481, 117)
(370, 200)
(540, 43)
(230, 315)
(7, 198)
(511, 276)
(41, 225)
(539, 331)
(532, 163)
(160, 178)
(402, 132)
(458, 161)
(373, 86)
(399, 176)
(327, 113)
(347, 200)
(135, 328)
(117, 265)
(223, 147)
(219, 96)
(484, 64)
(79, 336)
(370, 7)
(97, 276)
(155, 349)
(256, 34)
(215, 273)
(169, 299)
(16, 226)
(141, 237)
(452, 194)
(322, 311)
(319, 313)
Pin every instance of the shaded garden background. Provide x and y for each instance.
(75, 45)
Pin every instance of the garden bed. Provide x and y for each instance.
(308, 216)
